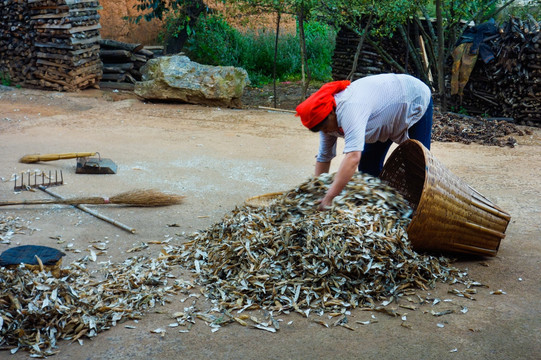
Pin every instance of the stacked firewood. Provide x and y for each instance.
(52, 43)
(122, 62)
(17, 60)
(67, 43)
(507, 87)
(369, 61)
(510, 85)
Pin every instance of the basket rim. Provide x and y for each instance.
(270, 195)
(425, 159)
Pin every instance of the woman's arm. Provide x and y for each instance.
(347, 168)
(322, 167)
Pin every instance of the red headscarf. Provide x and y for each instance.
(320, 104)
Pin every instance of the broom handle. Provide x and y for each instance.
(92, 212)
(63, 201)
(29, 202)
(49, 157)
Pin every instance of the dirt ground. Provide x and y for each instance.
(219, 157)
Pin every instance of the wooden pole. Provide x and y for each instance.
(92, 212)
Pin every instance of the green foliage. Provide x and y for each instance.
(159, 9)
(5, 79)
(528, 11)
(320, 43)
(387, 14)
(459, 110)
(180, 16)
(172, 26)
(215, 42)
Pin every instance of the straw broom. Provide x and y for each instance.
(146, 198)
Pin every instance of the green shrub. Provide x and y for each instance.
(320, 43)
(4, 79)
(214, 42)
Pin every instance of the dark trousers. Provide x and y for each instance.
(373, 155)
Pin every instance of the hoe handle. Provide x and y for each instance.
(48, 157)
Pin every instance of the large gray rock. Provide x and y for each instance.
(180, 79)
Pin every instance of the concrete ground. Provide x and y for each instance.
(218, 158)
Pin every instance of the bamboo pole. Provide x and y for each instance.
(276, 109)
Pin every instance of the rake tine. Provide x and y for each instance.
(42, 182)
(17, 188)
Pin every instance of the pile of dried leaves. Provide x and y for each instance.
(10, 225)
(449, 127)
(37, 308)
(283, 257)
(288, 256)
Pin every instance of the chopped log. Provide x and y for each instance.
(146, 53)
(114, 44)
(117, 55)
(121, 59)
(117, 85)
(114, 77)
(118, 68)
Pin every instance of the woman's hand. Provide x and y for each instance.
(347, 168)
(325, 203)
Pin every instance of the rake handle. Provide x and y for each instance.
(92, 212)
(32, 158)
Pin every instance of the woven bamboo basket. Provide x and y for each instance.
(263, 200)
(449, 215)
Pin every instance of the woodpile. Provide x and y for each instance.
(510, 85)
(507, 87)
(17, 60)
(51, 43)
(122, 63)
(369, 62)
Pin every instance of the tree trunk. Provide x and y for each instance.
(192, 12)
(359, 48)
(441, 55)
(304, 69)
(414, 55)
(278, 17)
